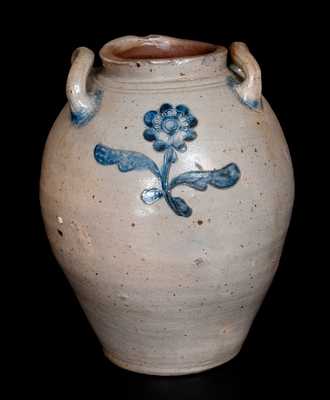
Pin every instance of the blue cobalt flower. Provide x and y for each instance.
(170, 127)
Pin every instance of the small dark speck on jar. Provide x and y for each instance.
(200, 222)
(125, 127)
(132, 224)
(138, 65)
(258, 123)
(59, 232)
(242, 246)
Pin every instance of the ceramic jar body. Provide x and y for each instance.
(168, 294)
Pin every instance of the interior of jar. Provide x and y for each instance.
(146, 52)
(155, 48)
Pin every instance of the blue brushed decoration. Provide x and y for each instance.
(176, 123)
(150, 196)
(126, 160)
(219, 178)
(254, 104)
(179, 206)
(83, 116)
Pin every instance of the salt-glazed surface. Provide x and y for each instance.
(166, 192)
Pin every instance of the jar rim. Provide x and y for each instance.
(155, 49)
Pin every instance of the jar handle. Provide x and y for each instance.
(247, 68)
(83, 105)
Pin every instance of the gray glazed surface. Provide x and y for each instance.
(165, 294)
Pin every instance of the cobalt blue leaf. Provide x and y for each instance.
(220, 178)
(225, 177)
(126, 160)
(180, 207)
(150, 196)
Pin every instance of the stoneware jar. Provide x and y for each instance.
(166, 192)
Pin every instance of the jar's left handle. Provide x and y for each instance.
(83, 104)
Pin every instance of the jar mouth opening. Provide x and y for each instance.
(154, 48)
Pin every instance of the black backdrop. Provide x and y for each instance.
(63, 349)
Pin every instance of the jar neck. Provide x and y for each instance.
(157, 58)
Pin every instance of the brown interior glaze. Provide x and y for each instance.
(153, 47)
(152, 51)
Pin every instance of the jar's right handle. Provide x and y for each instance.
(246, 66)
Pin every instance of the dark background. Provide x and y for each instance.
(278, 356)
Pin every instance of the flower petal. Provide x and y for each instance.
(159, 145)
(190, 135)
(149, 134)
(182, 109)
(180, 146)
(149, 117)
(192, 121)
(165, 107)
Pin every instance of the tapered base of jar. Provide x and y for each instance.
(175, 371)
